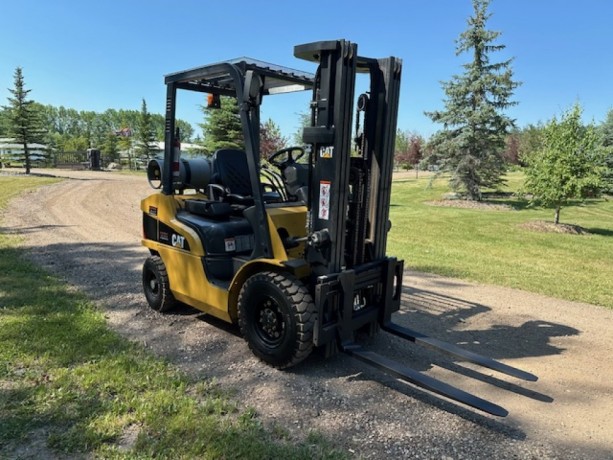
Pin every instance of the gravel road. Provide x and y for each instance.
(87, 230)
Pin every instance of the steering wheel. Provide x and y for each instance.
(289, 158)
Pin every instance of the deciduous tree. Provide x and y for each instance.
(568, 166)
(606, 140)
(409, 149)
(271, 139)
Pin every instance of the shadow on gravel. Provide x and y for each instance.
(61, 175)
(98, 269)
(25, 230)
(347, 368)
(440, 315)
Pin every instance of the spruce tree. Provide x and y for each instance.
(222, 127)
(145, 133)
(23, 121)
(472, 142)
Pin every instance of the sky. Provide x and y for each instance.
(91, 55)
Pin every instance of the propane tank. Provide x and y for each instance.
(193, 174)
(176, 156)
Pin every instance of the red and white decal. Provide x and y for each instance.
(324, 199)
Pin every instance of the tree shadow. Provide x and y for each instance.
(599, 231)
(26, 230)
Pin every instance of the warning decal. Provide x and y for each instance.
(230, 244)
(324, 199)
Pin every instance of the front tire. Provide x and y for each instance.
(276, 315)
(156, 285)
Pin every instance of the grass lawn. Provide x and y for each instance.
(490, 246)
(68, 384)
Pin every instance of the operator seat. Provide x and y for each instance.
(230, 170)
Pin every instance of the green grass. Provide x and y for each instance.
(68, 378)
(491, 247)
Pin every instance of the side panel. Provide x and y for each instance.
(181, 250)
(160, 225)
(290, 220)
(190, 285)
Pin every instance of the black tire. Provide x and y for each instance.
(276, 315)
(156, 285)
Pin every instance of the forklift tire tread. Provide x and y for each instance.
(276, 315)
(156, 285)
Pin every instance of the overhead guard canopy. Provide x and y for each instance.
(217, 78)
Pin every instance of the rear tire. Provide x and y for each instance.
(276, 315)
(156, 285)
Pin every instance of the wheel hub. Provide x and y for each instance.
(270, 321)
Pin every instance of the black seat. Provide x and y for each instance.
(230, 169)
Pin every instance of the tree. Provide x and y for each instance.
(409, 149)
(401, 149)
(23, 121)
(304, 120)
(222, 127)
(124, 144)
(530, 140)
(145, 133)
(569, 165)
(271, 139)
(3, 122)
(606, 140)
(511, 151)
(70, 130)
(472, 140)
(110, 146)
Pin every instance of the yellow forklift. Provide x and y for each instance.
(294, 251)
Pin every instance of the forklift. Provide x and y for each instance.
(292, 250)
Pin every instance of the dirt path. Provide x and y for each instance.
(87, 230)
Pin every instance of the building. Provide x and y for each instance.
(11, 151)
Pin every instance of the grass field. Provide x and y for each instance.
(491, 247)
(70, 385)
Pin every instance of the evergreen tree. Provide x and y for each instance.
(3, 122)
(222, 127)
(569, 165)
(23, 121)
(145, 133)
(471, 144)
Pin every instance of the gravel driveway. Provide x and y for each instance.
(87, 230)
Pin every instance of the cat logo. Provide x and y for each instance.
(178, 241)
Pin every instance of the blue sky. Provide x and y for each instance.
(96, 55)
